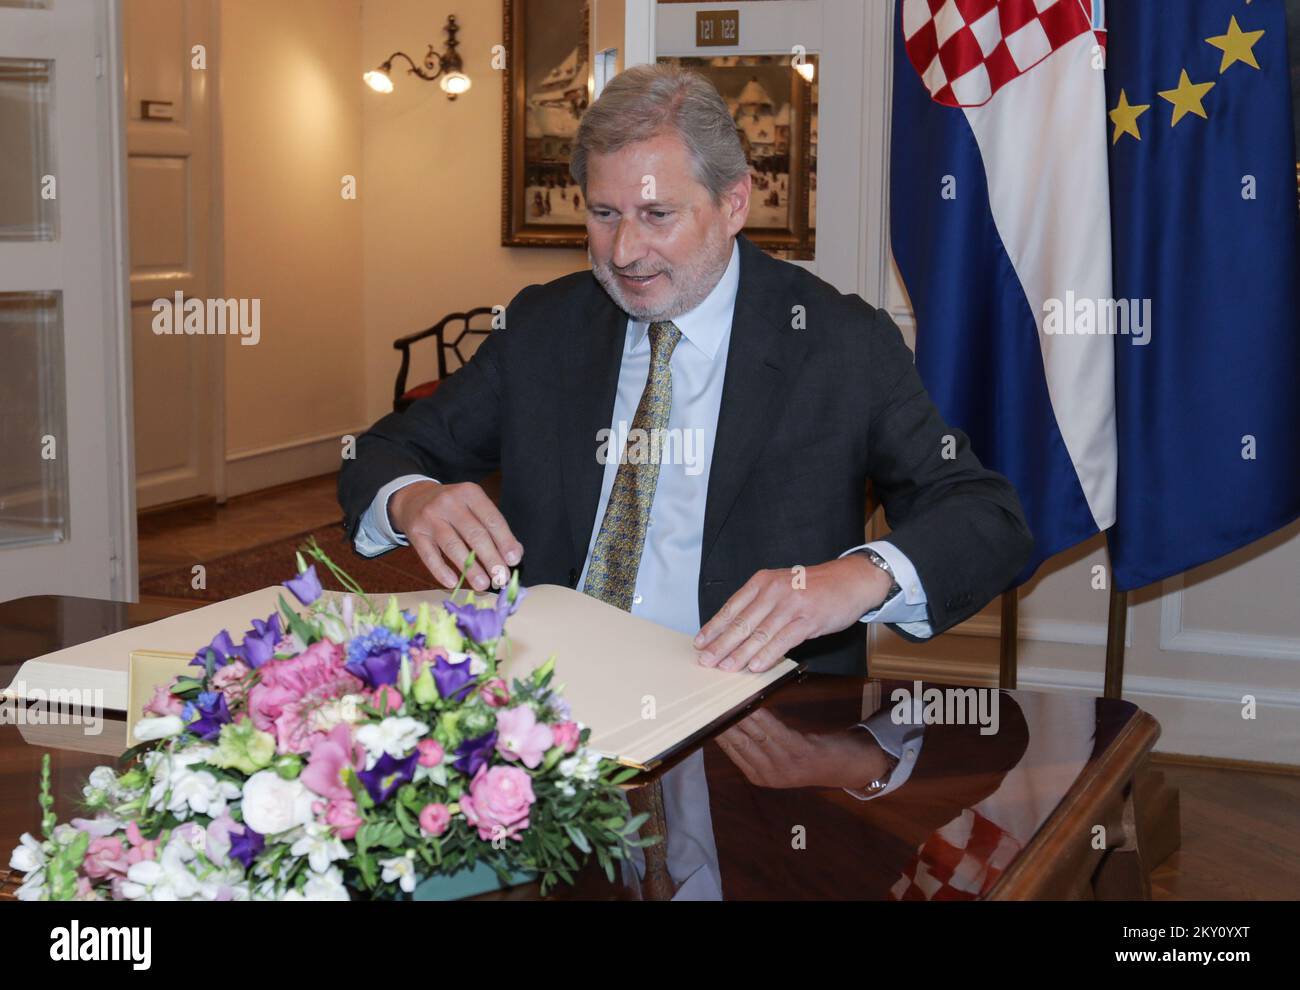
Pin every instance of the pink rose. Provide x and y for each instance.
(494, 693)
(286, 699)
(521, 737)
(229, 680)
(105, 857)
(435, 818)
(566, 735)
(164, 702)
(330, 755)
(431, 753)
(343, 815)
(498, 802)
(387, 699)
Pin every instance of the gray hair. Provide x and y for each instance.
(647, 100)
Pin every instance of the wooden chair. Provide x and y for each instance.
(451, 333)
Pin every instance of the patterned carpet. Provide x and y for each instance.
(259, 567)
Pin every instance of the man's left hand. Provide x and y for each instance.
(775, 611)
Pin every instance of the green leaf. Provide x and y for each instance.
(296, 623)
(380, 835)
(578, 838)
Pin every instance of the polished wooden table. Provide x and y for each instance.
(1043, 807)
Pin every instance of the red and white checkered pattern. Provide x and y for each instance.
(966, 50)
(960, 862)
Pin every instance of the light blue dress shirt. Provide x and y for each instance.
(668, 577)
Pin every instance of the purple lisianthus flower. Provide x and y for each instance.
(305, 586)
(259, 642)
(453, 680)
(246, 845)
(207, 715)
(376, 656)
(473, 753)
(222, 647)
(387, 775)
(483, 624)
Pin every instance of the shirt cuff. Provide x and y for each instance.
(375, 534)
(907, 609)
(901, 741)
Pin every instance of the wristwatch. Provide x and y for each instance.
(880, 783)
(883, 564)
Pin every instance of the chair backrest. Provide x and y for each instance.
(458, 329)
(452, 334)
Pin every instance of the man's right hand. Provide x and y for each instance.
(445, 522)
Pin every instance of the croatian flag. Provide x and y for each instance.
(1000, 222)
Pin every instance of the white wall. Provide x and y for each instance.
(431, 193)
(291, 110)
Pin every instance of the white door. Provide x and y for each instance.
(171, 65)
(832, 36)
(67, 513)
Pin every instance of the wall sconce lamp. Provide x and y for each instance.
(445, 67)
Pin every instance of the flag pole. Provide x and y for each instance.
(1116, 630)
(1008, 638)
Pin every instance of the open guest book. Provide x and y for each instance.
(637, 684)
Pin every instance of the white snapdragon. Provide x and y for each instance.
(584, 765)
(167, 878)
(401, 869)
(327, 886)
(319, 844)
(395, 736)
(158, 727)
(29, 855)
(183, 790)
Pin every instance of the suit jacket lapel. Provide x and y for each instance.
(763, 357)
(593, 353)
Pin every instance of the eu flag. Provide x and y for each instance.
(1204, 226)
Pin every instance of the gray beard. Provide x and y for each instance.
(693, 282)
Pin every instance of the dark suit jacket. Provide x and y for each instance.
(808, 416)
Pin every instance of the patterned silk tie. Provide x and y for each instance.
(616, 557)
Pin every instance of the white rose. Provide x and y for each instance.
(273, 805)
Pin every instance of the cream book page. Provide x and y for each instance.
(636, 684)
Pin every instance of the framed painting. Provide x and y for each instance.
(774, 105)
(547, 87)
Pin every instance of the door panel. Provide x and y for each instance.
(178, 402)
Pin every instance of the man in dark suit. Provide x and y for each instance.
(687, 431)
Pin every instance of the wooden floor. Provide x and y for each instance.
(1241, 828)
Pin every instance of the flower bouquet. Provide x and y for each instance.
(341, 751)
